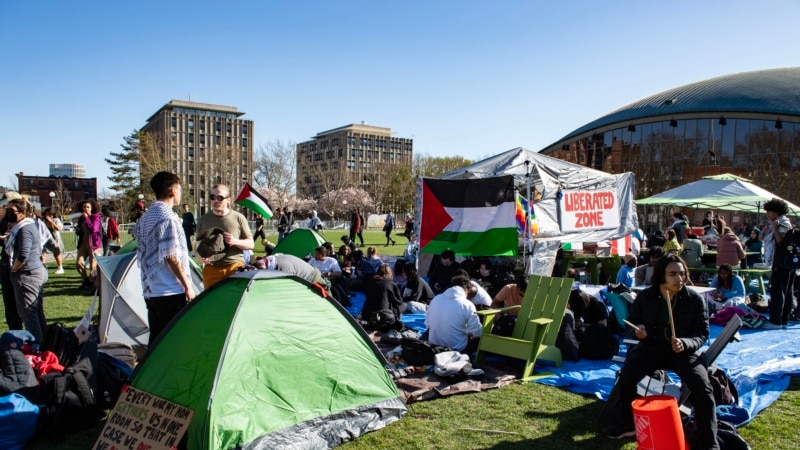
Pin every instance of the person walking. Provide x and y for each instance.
(189, 225)
(162, 255)
(90, 241)
(55, 246)
(110, 230)
(388, 226)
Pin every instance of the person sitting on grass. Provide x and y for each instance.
(729, 289)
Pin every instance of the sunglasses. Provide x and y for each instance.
(213, 197)
(13, 211)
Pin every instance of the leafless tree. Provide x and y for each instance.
(275, 167)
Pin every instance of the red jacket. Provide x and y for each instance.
(729, 250)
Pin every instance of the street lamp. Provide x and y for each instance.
(52, 198)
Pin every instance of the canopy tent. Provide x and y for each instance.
(573, 203)
(725, 191)
(551, 177)
(265, 361)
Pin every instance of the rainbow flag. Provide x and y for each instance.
(522, 205)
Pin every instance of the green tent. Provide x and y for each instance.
(266, 362)
(300, 242)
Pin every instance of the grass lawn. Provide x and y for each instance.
(519, 416)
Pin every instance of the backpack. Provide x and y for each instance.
(504, 325)
(787, 251)
(727, 436)
(417, 352)
(67, 401)
(112, 375)
(597, 342)
(62, 342)
(18, 418)
(725, 392)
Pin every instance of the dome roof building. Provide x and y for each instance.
(747, 124)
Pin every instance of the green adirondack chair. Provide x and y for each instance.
(538, 321)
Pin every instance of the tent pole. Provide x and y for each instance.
(527, 236)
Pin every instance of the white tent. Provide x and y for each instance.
(563, 185)
(123, 313)
(725, 191)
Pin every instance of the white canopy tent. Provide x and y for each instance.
(725, 191)
(561, 185)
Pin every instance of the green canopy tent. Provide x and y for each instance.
(725, 191)
(266, 362)
(300, 242)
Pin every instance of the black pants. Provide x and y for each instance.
(160, 311)
(781, 295)
(9, 299)
(645, 359)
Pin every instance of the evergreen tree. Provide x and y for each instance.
(125, 173)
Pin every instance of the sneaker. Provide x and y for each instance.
(619, 432)
(794, 317)
(59, 271)
(769, 326)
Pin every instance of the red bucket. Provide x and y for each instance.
(658, 423)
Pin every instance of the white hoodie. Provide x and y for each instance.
(451, 319)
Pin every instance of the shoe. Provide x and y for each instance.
(769, 326)
(59, 271)
(619, 432)
(794, 318)
(84, 285)
(392, 242)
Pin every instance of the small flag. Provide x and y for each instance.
(522, 205)
(252, 200)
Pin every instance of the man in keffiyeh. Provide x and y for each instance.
(162, 255)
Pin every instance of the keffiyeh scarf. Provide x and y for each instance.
(160, 235)
(12, 236)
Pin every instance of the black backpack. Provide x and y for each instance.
(597, 342)
(62, 342)
(787, 251)
(112, 375)
(417, 352)
(67, 400)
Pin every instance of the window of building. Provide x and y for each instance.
(191, 152)
(202, 126)
(202, 139)
(216, 140)
(244, 130)
(228, 128)
(173, 123)
(191, 125)
(335, 142)
(191, 138)
(244, 142)
(217, 127)
(228, 140)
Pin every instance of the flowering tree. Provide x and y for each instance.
(340, 201)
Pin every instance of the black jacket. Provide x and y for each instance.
(690, 314)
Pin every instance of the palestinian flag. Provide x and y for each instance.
(471, 217)
(252, 200)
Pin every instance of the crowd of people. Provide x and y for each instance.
(450, 297)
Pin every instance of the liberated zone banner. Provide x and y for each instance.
(589, 210)
(142, 421)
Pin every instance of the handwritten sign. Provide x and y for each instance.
(589, 210)
(142, 421)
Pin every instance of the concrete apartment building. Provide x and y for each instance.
(203, 144)
(355, 155)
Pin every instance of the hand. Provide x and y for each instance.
(677, 345)
(228, 238)
(641, 332)
(189, 294)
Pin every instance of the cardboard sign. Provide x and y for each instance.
(142, 421)
(589, 210)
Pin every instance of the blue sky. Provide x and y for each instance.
(469, 78)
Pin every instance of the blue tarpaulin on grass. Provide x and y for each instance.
(760, 367)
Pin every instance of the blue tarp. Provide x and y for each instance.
(760, 367)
